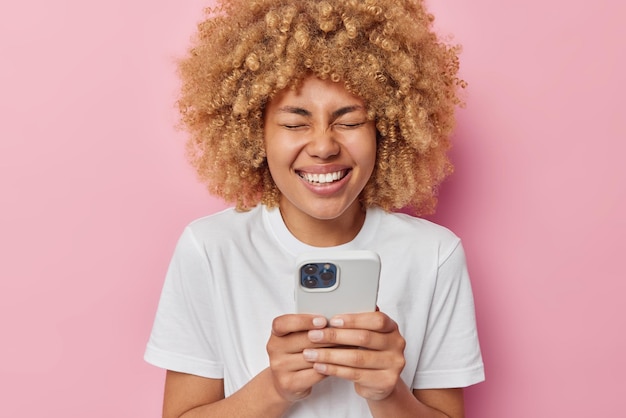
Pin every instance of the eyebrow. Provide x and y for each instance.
(303, 112)
(296, 110)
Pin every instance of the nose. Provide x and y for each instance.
(323, 144)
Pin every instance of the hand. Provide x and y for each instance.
(292, 375)
(374, 359)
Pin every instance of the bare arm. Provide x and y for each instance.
(435, 403)
(189, 396)
(449, 401)
(269, 394)
(375, 364)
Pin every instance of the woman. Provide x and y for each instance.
(317, 119)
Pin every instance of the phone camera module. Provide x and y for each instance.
(309, 269)
(309, 282)
(327, 275)
(320, 275)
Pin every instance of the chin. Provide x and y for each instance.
(328, 213)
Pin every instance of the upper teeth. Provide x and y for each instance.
(322, 178)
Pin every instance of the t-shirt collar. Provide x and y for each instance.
(276, 227)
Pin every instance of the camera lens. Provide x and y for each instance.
(327, 275)
(309, 269)
(309, 281)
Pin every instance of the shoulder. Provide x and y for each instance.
(403, 225)
(226, 221)
(415, 237)
(221, 228)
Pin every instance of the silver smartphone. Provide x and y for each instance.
(331, 282)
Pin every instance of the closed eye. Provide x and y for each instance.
(292, 127)
(351, 125)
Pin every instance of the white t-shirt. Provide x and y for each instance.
(233, 272)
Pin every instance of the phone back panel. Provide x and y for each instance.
(356, 287)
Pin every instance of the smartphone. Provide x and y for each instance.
(331, 282)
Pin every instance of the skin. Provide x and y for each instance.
(318, 129)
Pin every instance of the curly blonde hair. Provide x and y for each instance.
(384, 51)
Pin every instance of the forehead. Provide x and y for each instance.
(314, 92)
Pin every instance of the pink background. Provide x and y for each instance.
(94, 191)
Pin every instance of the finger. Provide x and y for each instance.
(292, 343)
(371, 340)
(373, 321)
(356, 358)
(289, 363)
(289, 323)
(374, 380)
(296, 386)
(374, 385)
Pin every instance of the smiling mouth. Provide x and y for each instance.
(323, 178)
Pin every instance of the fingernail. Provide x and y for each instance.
(310, 354)
(319, 367)
(315, 335)
(319, 322)
(336, 322)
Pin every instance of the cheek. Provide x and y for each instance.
(366, 155)
(280, 156)
(371, 161)
(277, 153)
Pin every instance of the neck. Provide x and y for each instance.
(325, 232)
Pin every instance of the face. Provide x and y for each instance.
(321, 151)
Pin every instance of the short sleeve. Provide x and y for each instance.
(451, 355)
(183, 330)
